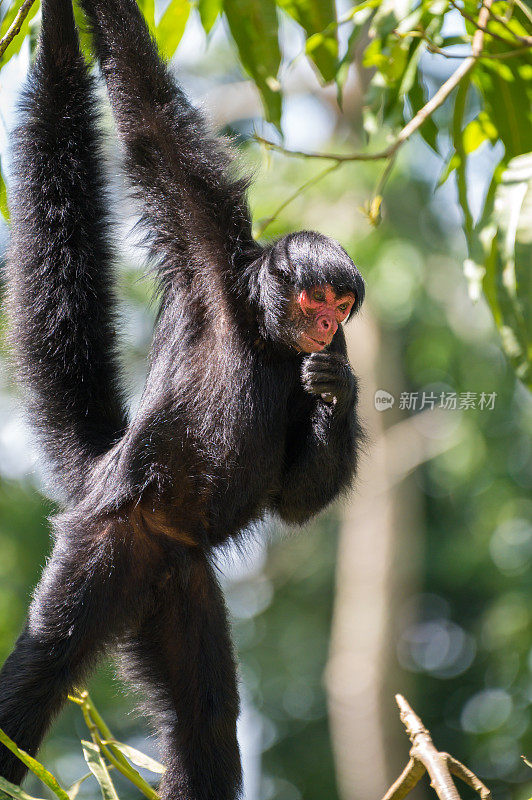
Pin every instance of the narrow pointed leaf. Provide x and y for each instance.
(508, 280)
(98, 767)
(209, 10)
(318, 20)
(148, 9)
(417, 98)
(507, 92)
(14, 791)
(45, 776)
(4, 208)
(254, 27)
(171, 26)
(137, 757)
(73, 790)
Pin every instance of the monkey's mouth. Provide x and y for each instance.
(315, 342)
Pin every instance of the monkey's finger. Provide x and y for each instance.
(324, 369)
(329, 366)
(322, 388)
(330, 376)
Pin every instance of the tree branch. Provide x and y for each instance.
(451, 83)
(315, 179)
(461, 771)
(432, 47)
(524, 39)
(15, 26)
(417, 121)
(425, 758)
(338, 157)
(406, 781)
(481, 25)
(524, 9)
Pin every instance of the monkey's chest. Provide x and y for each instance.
(229, 450)
(244, 483)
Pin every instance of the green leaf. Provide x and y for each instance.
(85, 38)
(507, 92)
(472, 136)
(318, 20)
(4, 207)
(14, 46)
(513, 22)
(137, 757)
(507, 235)
(345, 63)
(171, 26)
(410, 72)
(448, 169)
(45, 776)
(254, 27)
(73, 790)
(417, 99)
(14, 791)
(461, 163)
(390, 60)
(373, 54)
(98, 767)
(148, 9)
(209, 10)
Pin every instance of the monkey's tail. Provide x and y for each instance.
(59, 267)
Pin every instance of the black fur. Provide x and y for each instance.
(234, 422)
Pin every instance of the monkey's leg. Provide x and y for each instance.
(182, 655)
(79, 605)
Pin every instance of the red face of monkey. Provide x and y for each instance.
(317, 312)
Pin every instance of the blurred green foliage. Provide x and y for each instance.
(468, 644)
(283, 652)
(465, 637)
(492, 105)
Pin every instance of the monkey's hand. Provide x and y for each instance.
(329, 376)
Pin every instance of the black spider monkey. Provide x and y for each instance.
(249, 406)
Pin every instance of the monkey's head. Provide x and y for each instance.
(305, 288)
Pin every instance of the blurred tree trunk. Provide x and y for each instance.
(378, 557)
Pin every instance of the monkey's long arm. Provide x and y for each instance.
(321, 459)
(196, 211)
(323, 468)
(59, 265)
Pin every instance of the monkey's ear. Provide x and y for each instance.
(360, 292)
(268, 295)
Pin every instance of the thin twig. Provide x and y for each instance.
(406, 781)
(461, 771)
(417, 121)
(423, 750)
(524, 8)
(338, 157)
(525, 39)
(451, 83)
(425, 758)
(432, 47)
(481, 26)
(15, 26)
(315, 179)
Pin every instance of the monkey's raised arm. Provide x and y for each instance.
(59, 269)
(195, 211)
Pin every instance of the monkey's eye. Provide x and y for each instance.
(343, 307)
(319, 295)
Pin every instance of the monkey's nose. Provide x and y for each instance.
(327, 326)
